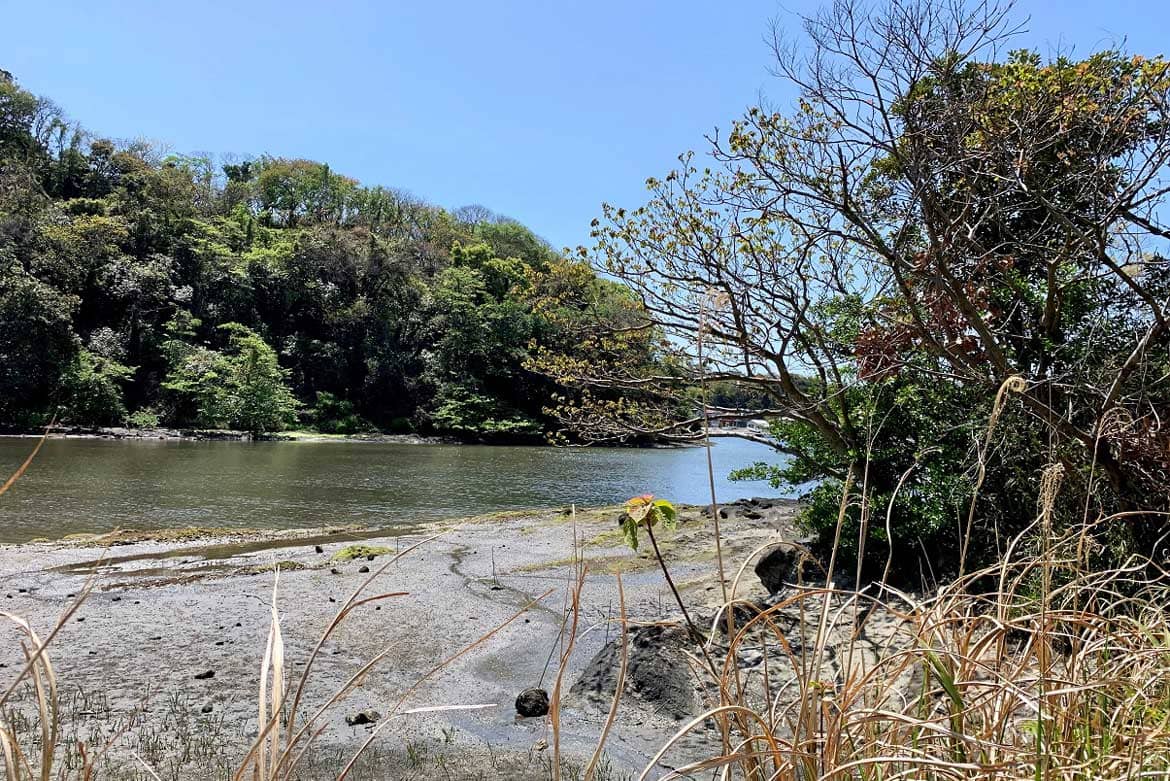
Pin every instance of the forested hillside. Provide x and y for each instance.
(145, 288)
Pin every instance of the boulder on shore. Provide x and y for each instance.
(532, 702)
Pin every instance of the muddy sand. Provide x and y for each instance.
(162, 660)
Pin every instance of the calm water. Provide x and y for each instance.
(83, 485)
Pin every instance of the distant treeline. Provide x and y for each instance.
(144, 288)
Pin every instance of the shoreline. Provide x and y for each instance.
(374, 437)
(200, 603)
(217, 435)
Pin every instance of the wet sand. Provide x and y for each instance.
(166, 608)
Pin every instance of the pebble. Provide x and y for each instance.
(203, 676)
(532, 702)
(208, 708)
(363, 568)
(318, 548)
(363, 717)
(335, 571)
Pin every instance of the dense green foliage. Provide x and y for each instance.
(942, 276)
(151, 289)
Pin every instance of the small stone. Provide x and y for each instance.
(219, 642)
(203, 676)
(751, 658)
(81, 619)
(208, 708)
(496, 588)
(115, 599)
(363, 717)
(377, 607)
(370, 557)
(334, 571)
(238, 624)
(532, 702)
(363, 568)
(318, 548)
(331, 599)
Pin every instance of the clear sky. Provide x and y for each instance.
(538, 110)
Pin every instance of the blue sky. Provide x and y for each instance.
(538, 110)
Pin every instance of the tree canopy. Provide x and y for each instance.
(263, 293)
(941, 274)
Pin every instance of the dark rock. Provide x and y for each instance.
(335, 571)
(203, 676)
(318, 548)
(777, 567)
(371, 557)
(532, 702)
(363, 717)
(208, 708)
(115, 599)
(752, 515)
(657, 671)
(363, 569)
(496, 587)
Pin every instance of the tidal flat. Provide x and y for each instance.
(162, 660)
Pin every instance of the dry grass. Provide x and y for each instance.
(1073, 683)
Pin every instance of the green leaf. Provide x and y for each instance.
(668, 513)
(630, 532)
